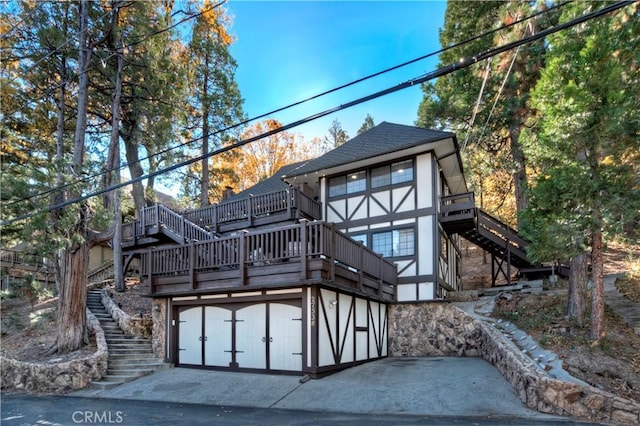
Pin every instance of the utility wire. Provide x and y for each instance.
(68, 40)
(335, 89)
(463, 63)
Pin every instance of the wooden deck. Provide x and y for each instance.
(159, 223)
(459, 215)
(309, 252)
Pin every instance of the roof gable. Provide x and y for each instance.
(382, 139)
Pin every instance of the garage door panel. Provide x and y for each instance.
(251, 337)
(190, 336)
(285, 337)
(217, 329)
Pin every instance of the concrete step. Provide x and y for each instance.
(130, 361)
(138, 350)
(104, 384)
(123, 340)
(122, 378)
(133, 344)
(129, 371)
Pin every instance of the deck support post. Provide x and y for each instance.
(360, 265)
(332, 250)
(242, 258)
(192, 261)
(304, 237)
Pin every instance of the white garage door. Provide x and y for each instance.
(285, 337)
(190, 336)
(280, 342)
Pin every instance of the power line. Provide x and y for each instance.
(463, 63)
(68, 40)
(335, 89)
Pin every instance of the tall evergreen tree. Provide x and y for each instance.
(486, 105)
(586, 143)
(218, 104)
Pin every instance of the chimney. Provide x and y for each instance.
(227, 193)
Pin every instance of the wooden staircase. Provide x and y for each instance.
(158, 224)
(459, 215)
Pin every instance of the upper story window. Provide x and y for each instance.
(348, 184)
(389, 174)
(392, 174)
(402, 172)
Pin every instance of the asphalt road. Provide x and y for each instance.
(24, 410)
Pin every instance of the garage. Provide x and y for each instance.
(246, 336)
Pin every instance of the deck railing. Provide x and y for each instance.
(290, 244)
(12, 258)
(191, 224)
(253, 207)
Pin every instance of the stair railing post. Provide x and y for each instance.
(182, 230)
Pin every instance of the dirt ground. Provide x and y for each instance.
(27, 332)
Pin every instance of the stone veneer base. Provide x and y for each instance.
(440, 329)
(57, 377)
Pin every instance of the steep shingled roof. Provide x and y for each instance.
(382, 139)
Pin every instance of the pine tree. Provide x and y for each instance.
(584, 146)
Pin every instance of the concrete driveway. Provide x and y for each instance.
(416, 386)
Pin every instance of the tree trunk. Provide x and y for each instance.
(115, 149)
(71, 326)
(597, 309)
(520, 173)
(135, 169)
(577, 300)
(58, 196)
(73, 290)
(204, 184)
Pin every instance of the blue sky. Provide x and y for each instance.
(288, 51)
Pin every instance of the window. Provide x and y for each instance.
(337, 186)
(399, 172)
(380, 176)
(394, 243)
(360, 237)
(402, 172)
(356, 182)
(353, 182)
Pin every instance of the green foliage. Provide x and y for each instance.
(586, 136)
(367, 124)
(486, 104)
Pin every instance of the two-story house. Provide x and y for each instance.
(295, 274)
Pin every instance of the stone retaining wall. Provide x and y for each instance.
(140, 327)
(57, 377)
(440, 329)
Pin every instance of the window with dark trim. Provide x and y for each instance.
(347, 184)
(389, 174)
(360, 237)
(402, 172)
(392, 174)
(395, 243)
